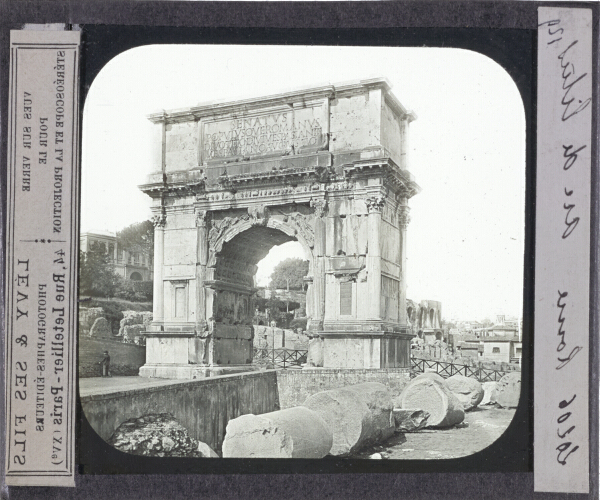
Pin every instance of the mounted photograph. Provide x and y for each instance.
(301, 252)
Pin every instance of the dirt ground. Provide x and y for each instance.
(481, 427)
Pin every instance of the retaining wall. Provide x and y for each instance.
(296, 385)
(202, 406)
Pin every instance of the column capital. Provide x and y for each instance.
(202, 218)
(159, 220)
(403, 216)
(375, 204)
(320, 206)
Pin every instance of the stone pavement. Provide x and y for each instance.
(94, 386)
(481, 428)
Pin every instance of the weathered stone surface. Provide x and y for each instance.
(87, 316)
(358, 415)
(253, 198)
(508, 390)
(131, 318)
(293, 433)
(206, 451)
(101, 329)
(428, 393)
(468, 390)
(315, 352)
(130, 332)
(410, 420)
(489, 393)
(155, 435)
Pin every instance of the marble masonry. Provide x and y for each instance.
(325, 166)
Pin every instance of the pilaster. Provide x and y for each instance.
(159, 222)
(403, 220)
(374, 206)
(202, 217)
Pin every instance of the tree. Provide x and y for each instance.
(97, 276)
(277, 309)
(293, 270)
(138, 237)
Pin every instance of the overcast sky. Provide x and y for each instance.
(467, 150)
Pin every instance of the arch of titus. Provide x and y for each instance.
(325, 166)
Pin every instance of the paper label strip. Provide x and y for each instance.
(562, 269)
(41, 258)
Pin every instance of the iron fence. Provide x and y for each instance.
(281, 357)
(447, 369)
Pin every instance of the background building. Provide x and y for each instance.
(136, 266)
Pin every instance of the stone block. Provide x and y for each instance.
(167, 350)
(410, 420)
(358, 415)
(427, 393)
(293, 433)
(130, 332)
(468, 390)
(231, 351)
(352, 352)
(315, 352)
(222, 331)
(101, 329)
(508, 390)
(489, 393)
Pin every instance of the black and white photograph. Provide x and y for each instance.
(318, 258)
(299, 250)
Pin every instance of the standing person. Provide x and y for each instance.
(105, 365)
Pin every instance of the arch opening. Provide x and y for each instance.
(240, 299)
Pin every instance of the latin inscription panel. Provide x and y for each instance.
(284, 130)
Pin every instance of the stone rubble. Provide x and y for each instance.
(410, 420)
(158, 435)
(138, 319)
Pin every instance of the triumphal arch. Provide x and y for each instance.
(325, 166)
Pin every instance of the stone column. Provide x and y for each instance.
(159, 243)
(320, 207)
(374, 206)
(403, 220)
(201, 261)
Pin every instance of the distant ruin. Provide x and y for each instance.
(425, 318)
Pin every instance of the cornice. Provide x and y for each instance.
(305, 96)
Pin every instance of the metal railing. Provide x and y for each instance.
(281, 357)
(446, 369)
